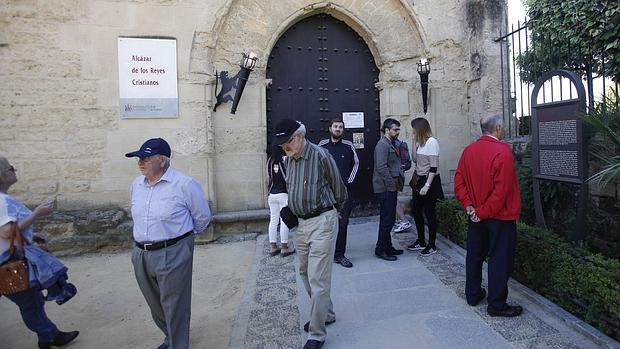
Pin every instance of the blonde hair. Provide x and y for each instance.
(4, 169)
(422, 131)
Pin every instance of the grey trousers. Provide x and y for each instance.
(315, 240)
(165, 279)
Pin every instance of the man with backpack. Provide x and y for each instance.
(402, 223)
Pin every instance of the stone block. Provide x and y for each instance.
(43, 186)
(35, 170)
(75, 186)
(81, 169)
(61, 11)
(245, 140)
(394, 101)
(107, 93)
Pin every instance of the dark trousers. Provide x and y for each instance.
(343, 224)
(425, 206)
(387, 217)
(497, 239)
(32, 307)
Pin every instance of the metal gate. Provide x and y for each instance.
(321, 68)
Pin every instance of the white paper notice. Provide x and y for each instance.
(353, 119)
(147, 78)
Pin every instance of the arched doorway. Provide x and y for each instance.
(321, 68)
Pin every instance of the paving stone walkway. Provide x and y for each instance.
(415, 302)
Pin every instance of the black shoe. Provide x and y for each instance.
(313, 344)
(394, 252)
(385, 256)
(417, 245)
(344, 261)
(481, 295)
(509, 311)
(61, 339)
(428, 250)
(307, 324)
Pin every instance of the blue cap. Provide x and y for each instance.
(154, 146)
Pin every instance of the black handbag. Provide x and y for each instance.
(288, 217)
(14, 272)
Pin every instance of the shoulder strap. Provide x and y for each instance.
(16, 234)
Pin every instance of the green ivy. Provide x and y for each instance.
(585, 283)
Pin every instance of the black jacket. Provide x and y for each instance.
(345, 156)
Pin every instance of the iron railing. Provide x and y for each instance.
(517, 93)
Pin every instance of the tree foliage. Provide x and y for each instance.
(573, 35)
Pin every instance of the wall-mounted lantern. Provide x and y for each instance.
(424, 69)
(247, 64)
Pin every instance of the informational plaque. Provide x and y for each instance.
(558, 145)
(558, 136)
(147, 78)
(353, 119)
(559, 149)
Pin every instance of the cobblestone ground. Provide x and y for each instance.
(414, 302)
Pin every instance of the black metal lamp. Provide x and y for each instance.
(424, 69)
(247, 64)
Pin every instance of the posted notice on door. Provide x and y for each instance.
(353, 119)
(147, 78)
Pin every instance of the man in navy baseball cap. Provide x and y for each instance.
(168, 209)
(154, 146)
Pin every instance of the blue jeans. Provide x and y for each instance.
(387, 217)
(32, 307)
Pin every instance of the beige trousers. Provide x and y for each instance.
(315, 240)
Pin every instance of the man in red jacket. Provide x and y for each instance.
(486, 185)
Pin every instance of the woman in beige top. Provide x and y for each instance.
(428, 187)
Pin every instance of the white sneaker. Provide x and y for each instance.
(401, 226)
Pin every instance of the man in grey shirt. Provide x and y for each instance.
(387, 179)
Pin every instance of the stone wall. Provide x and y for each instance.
(59, 120)
(110, 229)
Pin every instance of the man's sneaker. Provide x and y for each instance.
(402, 226)
(416, 246)
(429, 250)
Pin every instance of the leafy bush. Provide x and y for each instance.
(582, 282)
(452, 221)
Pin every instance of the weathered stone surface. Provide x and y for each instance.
(59, 64)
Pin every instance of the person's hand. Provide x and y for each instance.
(470, 209)
(41, 242)
(424, 189)
(471, 212)
(38, 240)
(44, 209)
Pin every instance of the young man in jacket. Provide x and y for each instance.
(486, 185)
(387, 180)
(343, 152)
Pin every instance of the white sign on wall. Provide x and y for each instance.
(147, 78)
(353, 119)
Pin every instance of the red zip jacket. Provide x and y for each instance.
(486, 179)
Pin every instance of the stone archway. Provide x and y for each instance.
(243, 26)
